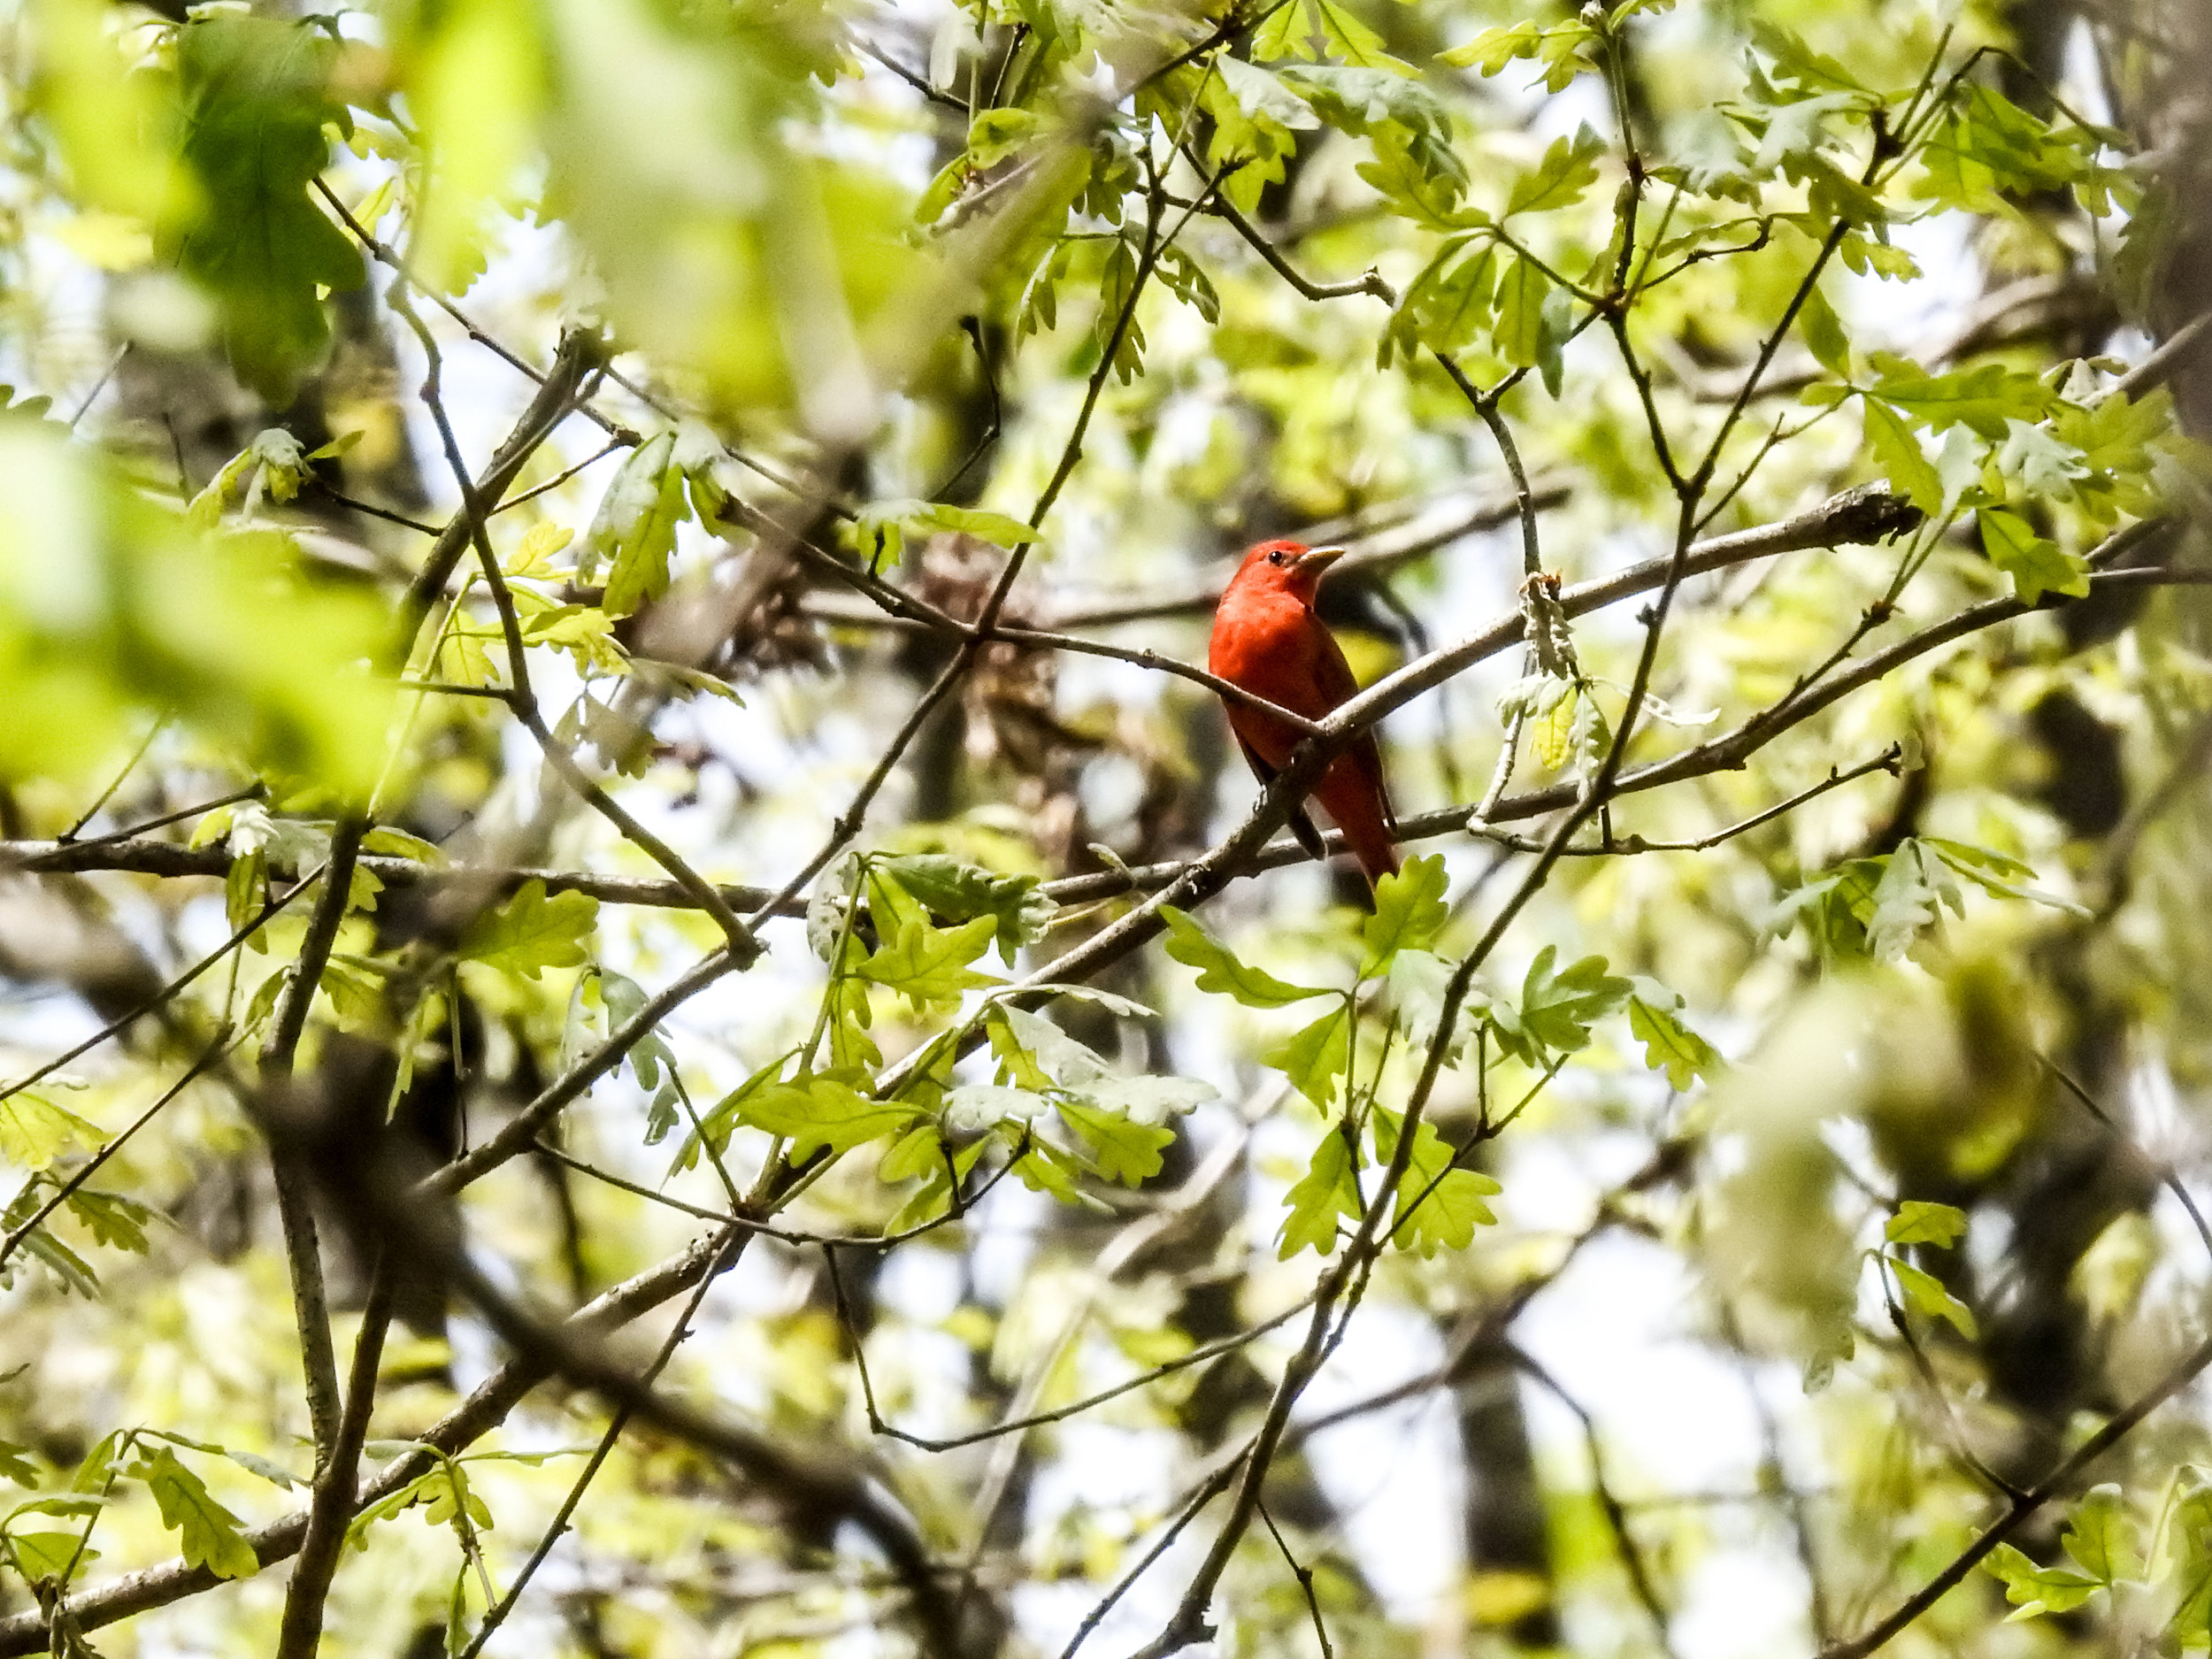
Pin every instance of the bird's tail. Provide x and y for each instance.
(1370, 843)
(1356, 805)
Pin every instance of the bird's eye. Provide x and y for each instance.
(1275, 557)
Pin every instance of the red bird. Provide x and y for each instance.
(1268, 640)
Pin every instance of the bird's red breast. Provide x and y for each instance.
(1267, 639)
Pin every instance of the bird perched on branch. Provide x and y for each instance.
(1268, 641)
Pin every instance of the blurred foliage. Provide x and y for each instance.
(567, 445)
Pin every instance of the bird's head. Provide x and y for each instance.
(1286, 567)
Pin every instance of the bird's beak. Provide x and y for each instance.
(1313, 561)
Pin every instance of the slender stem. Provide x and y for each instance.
(306, 1597)
(295, 1179)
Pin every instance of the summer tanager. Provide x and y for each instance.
(1268, 640)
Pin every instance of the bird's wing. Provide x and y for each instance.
(1301, 825)
(1333, 675)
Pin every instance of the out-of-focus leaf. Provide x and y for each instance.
(1924, 1294)
(2035, 1590)
(1918, 1221)
(34, 1131)
(256, 94)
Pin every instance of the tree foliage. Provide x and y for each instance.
(635, 1017)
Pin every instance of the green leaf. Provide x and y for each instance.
(1906, 902)
(1124, 1150)
(15, 1464)
(1557, 50)
(34, 1132)
(1823, 333)
(532, 932)
(995, 135)
(1314, 1058)
(44, 1555)
(1919, 1222)
(1418, 982)
(1670, 1046)
(112, 1218)
(1438, 1207)
(1985, 399)
(1902, 461)
(1410, 911)
(1519, 336)
(1447, 306)
(961, 892)
(634, 528)
(1568, 168)
(1558, 1009)
(1220, 972)
(1325, 1192)
(1925, 1295)
(930, 964)
(2036, 566)
(824, 1111)
(2101, 1536)
(1995, 874)
(2045, 464)
(255, 95)
(885, 523)
(2037, 1590)
(208, 1534)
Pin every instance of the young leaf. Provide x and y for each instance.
(1220, 972)
(255, 94)
(1409, 912)
(208, 1534)
(1558, 1009)
(1519, 336)
(40, 1556)
(1314, 1058)
(2036, 1590)
(1823, 333)
(1438, 1207)
(1125, 1150)
(532, 932)
(16, 1465)
(112, 1218)
(34, 1132)
(634, 528)
(2101, 1536)
(824, 1112)
(1322, 1194)
(1669, 1045)
(1920, 1222)
(961, 892)
(2036, 566)
(1924, 1294)
(930, 964)
(1901, 459)
(1568, 168)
